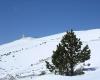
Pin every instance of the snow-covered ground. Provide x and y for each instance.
(24, 59)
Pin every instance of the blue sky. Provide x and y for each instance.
(37, 18)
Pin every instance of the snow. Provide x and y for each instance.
(25, 58)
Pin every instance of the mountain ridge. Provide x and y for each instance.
(26, 56)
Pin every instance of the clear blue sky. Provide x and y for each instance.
(39, 18)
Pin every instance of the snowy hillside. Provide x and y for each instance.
(23, 59)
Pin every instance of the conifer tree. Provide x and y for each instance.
(69, 53)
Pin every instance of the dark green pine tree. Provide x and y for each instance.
(69, 53)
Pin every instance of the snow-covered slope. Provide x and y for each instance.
(24, 59)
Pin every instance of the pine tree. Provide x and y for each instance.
(69, 53)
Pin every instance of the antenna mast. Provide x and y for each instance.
(23, 36)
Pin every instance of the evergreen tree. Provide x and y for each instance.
(69, 53)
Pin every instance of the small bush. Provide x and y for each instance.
(42, 73)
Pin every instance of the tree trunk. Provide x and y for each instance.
(72, 69)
